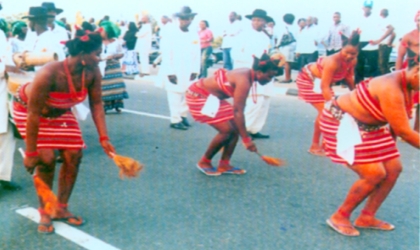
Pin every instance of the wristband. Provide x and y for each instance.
(246, 140)
(31, 154)
(103, 138)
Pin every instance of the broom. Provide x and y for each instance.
(46, 194)
(272, 161)
(128, 167)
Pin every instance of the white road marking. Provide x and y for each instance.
(146, 114)
(75, 235)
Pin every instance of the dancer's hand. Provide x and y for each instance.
(108, 148)
(30, 163)
(193, 76)
(173, 79)
(250, 146)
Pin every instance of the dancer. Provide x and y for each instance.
(227, 119)
(355, 133)
(41, 111)
(315, 79)
(409, 48)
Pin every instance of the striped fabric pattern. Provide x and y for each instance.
(376, 146)
(368, 102)
(65, 100)
(196, 98)
(222, 81)
(113, 86)
(305, 87)
(59, 133)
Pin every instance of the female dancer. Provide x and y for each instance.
(315, 79)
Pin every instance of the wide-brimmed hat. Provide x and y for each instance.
(51, 6)
(37, 12)
(185, 12)
(260, 14)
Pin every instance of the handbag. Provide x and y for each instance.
(287, 38)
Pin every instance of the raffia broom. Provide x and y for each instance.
(128, 167)
(43, 190)
(272, 161)
(47, 196)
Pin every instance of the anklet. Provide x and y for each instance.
(344, 214)
(224, 162)
(205, 160)
(364, 212)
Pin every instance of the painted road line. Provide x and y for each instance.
(75, 235)
(146, 114)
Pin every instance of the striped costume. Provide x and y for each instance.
(305, 82)
(196, 97)
(377, 143)
(62, 132)
(113, 86)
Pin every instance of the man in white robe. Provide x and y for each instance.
(181, 63)
(7, 140)
(144, 45)
(254, 42)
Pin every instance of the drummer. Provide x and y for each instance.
(45, 40)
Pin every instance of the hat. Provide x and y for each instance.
(51, 6)
(111, 29)
(185, 12)
(260, 14)
(368, 3)
(37, 12)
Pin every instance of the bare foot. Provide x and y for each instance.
(342, 225)
(366, 221)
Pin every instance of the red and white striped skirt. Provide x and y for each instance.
(305, 87)
(54, 133)
(376, 146)
(196, 98)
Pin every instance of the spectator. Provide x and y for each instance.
(287, 44)
(333, 40)
(206, 38)
(230, 34)
(306, 48)
(144, 45)
(385, 47)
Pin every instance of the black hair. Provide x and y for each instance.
(206, 23)
(87, 26)
(84, 42)
(353, 40)
(301, 19)
(265, 63)
(132, 27)
(289, 18)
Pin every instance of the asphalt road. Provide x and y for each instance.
(174, 206)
